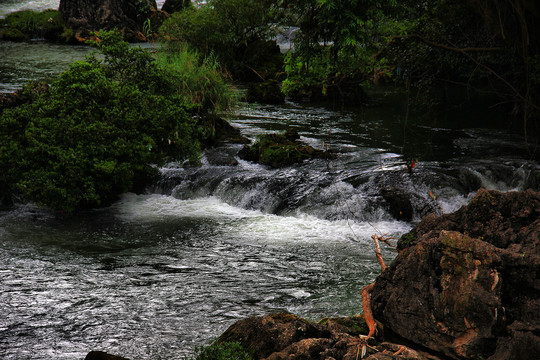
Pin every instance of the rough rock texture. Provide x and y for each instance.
(467, 284)
(286, 336)
(84, 16)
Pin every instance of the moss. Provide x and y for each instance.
(224, 351)
(280, 150)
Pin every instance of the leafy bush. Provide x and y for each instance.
(96, 132)
(235, 31)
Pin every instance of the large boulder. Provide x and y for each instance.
(286, 336)
(129, 16)
(467, 284)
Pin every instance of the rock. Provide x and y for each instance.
(84, 16)
(219, 157)
(219, 130)
(466, 284)
(23, 96)
(280, 150)
(286, 336)
(100, 355)
(399, 204)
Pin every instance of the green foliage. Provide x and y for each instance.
(488, 47)
(235, 31)
(335, 51)
(279, 150)
(47, 24)
(407, 239)
(198, 79)
(224, 351)
(96, 132)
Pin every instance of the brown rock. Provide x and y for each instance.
(469, 293)
(286, 336)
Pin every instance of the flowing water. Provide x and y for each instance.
(156, 275)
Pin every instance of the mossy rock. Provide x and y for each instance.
(47, 24)
(280, 150)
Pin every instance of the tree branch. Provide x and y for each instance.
(446, 47)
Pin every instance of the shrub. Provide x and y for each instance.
(99, 131)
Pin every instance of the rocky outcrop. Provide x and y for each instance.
(280, 150)
(286, 336)
(467, 284)
(85, 16)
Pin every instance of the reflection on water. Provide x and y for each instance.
(36, 60)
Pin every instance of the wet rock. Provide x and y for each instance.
(280, 150)
(286, 336)
(23, 96)
(466, 284)
(100, 355)
(399, 204)
(218, 130)
(85, 16)
(219, 157)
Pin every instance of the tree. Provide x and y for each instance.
(237, 32)
(336, 44)
(487, 47)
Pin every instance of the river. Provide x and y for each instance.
(156, 275)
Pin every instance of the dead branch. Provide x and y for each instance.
(366, 306)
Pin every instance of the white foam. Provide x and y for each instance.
(253, 225)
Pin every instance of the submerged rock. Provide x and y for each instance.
(467, 284)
